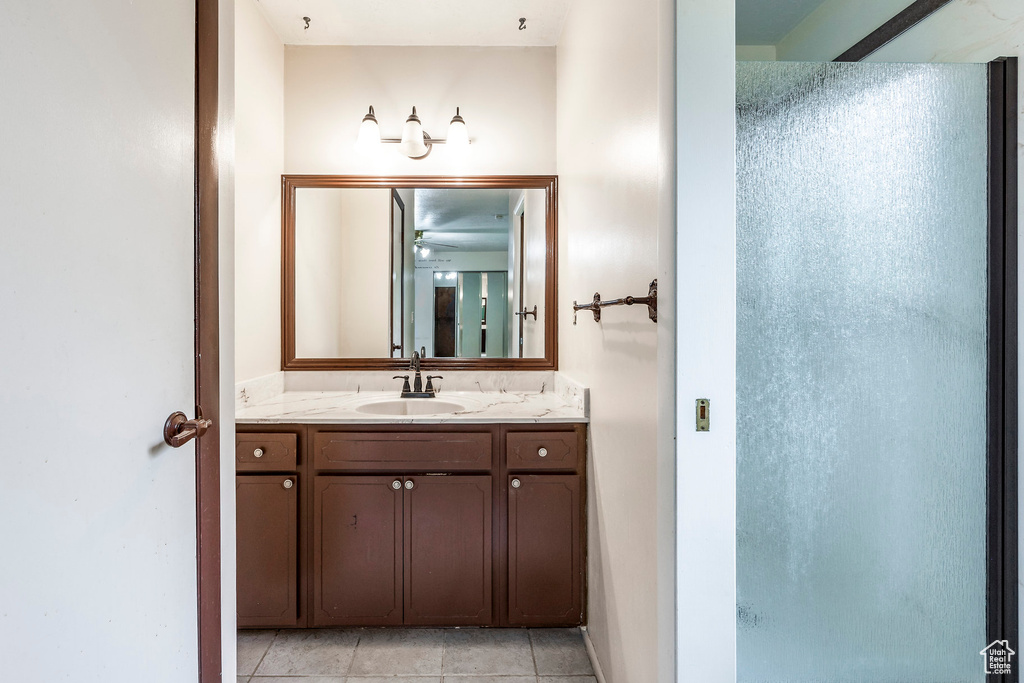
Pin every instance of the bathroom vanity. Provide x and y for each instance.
(356, 507)
(349, 518)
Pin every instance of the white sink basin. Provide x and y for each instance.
(410, 406)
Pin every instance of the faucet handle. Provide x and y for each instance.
(405, 385)
(430, 387)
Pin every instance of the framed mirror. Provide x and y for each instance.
(461, 269)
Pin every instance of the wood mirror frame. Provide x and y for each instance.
(289, 183)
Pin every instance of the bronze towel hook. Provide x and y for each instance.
(595, 307)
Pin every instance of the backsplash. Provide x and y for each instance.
(258, 389)
(255, 391)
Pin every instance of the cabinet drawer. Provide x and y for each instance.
(542, 450)
(254, 452)
(405, 451)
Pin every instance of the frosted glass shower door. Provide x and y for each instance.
(861, 372)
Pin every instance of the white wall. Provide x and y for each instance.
(423, 334)
(615, 218)
(756, 53)
(259, 163)
(463, 261)
(408, 196)
(963, 31)
(535, 250)
(342, 272)
(506, 95)
(515, 201)
(706, 360)
(834, 27)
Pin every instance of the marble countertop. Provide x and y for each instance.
(342, 407)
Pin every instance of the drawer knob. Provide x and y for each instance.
(288, 483)
(258, 453)
(542, 452)
(516, 483)
(409, 484)
(396, 484)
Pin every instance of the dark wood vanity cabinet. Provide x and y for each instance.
(357, 551)
(426, 525)
(267, 506)
(412, 550)
(545, 526)
(544, 553)
(267, 509)
(448, 551)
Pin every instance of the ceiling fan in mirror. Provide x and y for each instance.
(424, 244)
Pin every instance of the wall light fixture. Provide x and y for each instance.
(415, 143)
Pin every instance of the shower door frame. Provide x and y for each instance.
(1002, 556)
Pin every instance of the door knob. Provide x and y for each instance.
(288, 483)
(409, 484)
(179, 430)
(516, 483)
(396, 485)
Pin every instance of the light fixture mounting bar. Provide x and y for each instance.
(428, 140)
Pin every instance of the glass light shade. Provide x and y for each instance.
(458, 134)
(413, 145)
(369, 133)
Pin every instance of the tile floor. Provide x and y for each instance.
(413, 656)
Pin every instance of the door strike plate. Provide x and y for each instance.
(703, 415)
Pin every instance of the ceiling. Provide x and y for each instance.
(766, 22)
(471, 219)
(417, 22)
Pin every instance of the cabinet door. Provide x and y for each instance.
(448, 552)
(544, 550)
(267, 546)
(357, 551)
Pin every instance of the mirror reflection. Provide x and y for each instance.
(381, 272)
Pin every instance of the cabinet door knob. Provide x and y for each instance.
(516, 483)
(288, 483)
(258, 453)
(409, 484)
(542, 452)
(396, 484)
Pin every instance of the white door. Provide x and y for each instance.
(97, 515)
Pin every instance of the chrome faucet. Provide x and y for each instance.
(417, 390)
